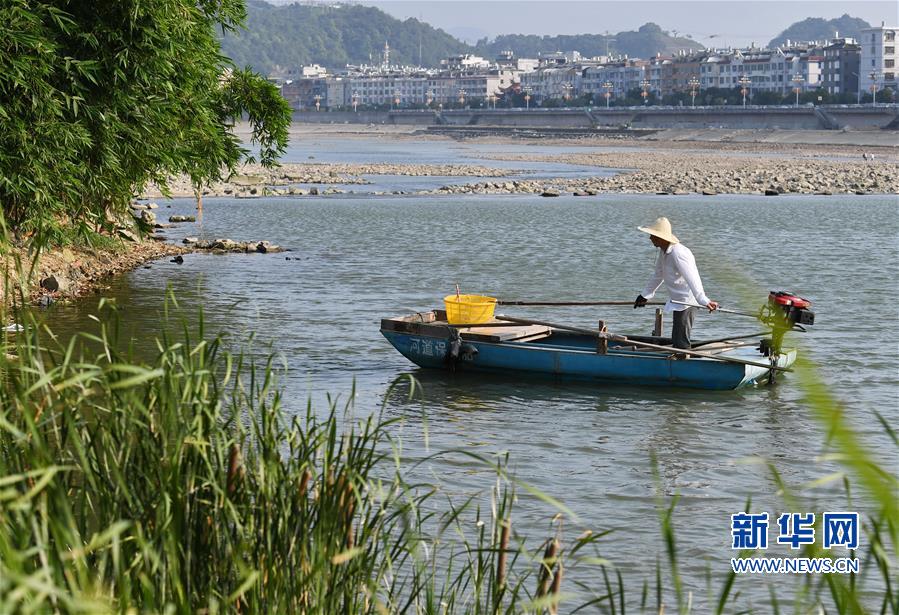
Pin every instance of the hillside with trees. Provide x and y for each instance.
(818, 29)
(645, 42)
(333, 36)
(339, 34)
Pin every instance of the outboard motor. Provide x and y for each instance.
(784, 312)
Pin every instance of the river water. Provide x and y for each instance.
(356, 258)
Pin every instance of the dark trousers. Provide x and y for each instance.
(683, 325)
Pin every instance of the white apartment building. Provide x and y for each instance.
(482, 86)
(623, 75)
(385, 89)
(878, 61)
(552, 82)
(720, 70)
(451, 89)
(781, 70)
(778, 70)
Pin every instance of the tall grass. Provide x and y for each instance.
(178, 484)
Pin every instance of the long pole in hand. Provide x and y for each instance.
(573, 303)
(720, 309)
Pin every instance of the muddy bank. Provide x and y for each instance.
(288, 179)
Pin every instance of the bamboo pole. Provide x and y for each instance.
(574, 303)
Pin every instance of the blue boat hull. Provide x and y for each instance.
(568, 356)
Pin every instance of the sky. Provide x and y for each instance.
(720, 23)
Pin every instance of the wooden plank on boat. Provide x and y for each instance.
(416, 317)
(505, 334)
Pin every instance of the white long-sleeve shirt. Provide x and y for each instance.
(676, 267)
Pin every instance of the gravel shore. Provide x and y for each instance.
(685, 172)
(255, 180)
(668, 162)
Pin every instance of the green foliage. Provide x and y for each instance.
(645, 42)
(99, 98)
(818, 29)
(334, 36)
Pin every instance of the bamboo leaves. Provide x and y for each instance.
(100, 100)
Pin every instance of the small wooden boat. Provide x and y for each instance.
(517, 346)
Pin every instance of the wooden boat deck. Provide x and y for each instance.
(502, 332)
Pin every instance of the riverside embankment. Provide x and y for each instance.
(817, 117)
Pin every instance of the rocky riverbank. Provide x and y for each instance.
(287, 179)
(68, 272)
(681, 172)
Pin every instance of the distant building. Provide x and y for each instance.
(313, 70)
(464, 62)
(552, 82)
(834, 65)
(677, 74)
(507, 61)
(379, 89)
(840, 69)
(878, 58)
(304, 93)
(719, 70)
(621, 75)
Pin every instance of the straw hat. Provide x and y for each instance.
(661, 228)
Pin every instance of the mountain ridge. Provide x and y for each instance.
(334, 35)
(819, 29)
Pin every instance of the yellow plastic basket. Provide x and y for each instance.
(473, 309)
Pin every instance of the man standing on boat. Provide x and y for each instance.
(676, 268)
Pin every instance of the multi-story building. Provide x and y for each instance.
(484, 85)
(621, 76)
(305, 93)
(508, 61)
(386, 89)
(552, 82)
(656, 71)
(764, 70)
(835, 67)
(337, 93)
(878, 58)
(720, 69)
(677, 74)
(840, 69)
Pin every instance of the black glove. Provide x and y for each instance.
(640, 302)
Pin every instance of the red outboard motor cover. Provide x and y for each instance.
(786, 298)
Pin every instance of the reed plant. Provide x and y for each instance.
(179, 484)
